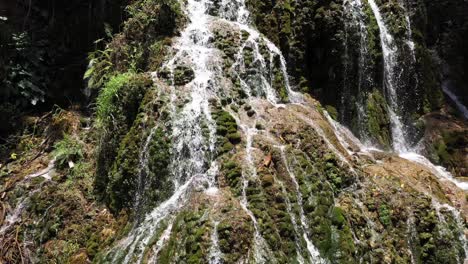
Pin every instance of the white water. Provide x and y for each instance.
(439, 171)
(344, 136)
(448, 91)
(161, 242)
(193, 166)
(261, 249)
(215, 252)
(237, 14)
(313, 251)
(411, 235)
(143, 173)
(14, 216)
(324, 136)
(289, 209)
(458, 221)
(191, 151)
(409, 30)
(355, 20)
(392, 71)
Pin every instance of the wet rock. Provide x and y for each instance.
(183, 75)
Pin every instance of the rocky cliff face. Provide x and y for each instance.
(220, 136)
(334, 51)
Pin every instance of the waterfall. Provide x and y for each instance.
(193, 164)
(261, 248)
(409, 31)
(446, 87)
(459, 221)
(143, 172)
(215, 252)
(354, 23)
(192, 152)
(392, 72)
(439, 171)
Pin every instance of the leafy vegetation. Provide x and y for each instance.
(24, 71)
(69, 149)
(106, 100)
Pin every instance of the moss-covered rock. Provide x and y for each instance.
(118, 105)
(183, 75)
(379, 120)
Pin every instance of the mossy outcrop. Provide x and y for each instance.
(379, 120)
(127, 99)
(190, 170)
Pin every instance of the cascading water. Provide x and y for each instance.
(446, 87)
(142, 174)
(313, 252)
(191, 153)
(439, 171)
(409, 31)
(354, 19)
(193, 163)
(261, 249)
(392, 73)
(215, 253)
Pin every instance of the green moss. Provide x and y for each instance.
(69, 149)
(234, 138)
(338, 218)
(227, 131)
(279, 83)
(120, 101)
(332, 111)
(189, 240)
(385, 215)
(183, 75)
(373, 32)
(433, 96)
(378, 119)
(233, 173)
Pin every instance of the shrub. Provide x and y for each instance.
(68, 149)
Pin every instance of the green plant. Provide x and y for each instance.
(66, 150)
(99, 67)
(24, 70)
(385, 215)
(105, 100)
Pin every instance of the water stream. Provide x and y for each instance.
(261, 249)
(215, 252)
(313, 251)
(446, 87)
(354, 21)
(392, 73)
(193, 165)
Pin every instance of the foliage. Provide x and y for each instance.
(66, 150)
(99, 68)
(105, 100)
(24, 70)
